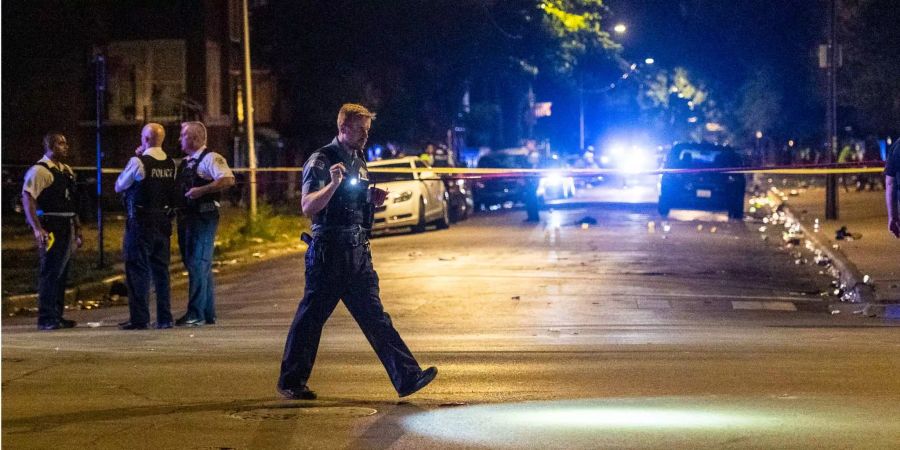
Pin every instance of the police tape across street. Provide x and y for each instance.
(468, 172)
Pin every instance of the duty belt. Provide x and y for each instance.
(354, 235)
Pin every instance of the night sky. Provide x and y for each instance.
(412, 60)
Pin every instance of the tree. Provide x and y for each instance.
(758, 104)
(869, 81)
(677, 106)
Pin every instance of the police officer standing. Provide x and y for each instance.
(336, 194)
(892, 189)
(48, 196)
(202, 176)
(148, 188)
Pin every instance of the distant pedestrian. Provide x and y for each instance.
(337, 196)
(148, 188)
(870, 153)
(49, 200)
(892, 189)
(202, 176)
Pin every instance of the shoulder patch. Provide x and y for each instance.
(318, 163)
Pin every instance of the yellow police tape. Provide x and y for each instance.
(475, 172)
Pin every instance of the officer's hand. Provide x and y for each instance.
(337, 173)
(378, 195)
(194, 193)
(894, 226)
(139, 151)
(41, 237)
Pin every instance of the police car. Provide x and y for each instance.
(414, 199)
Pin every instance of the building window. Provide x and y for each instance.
(146, 80)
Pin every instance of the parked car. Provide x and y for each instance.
(461, 199)
(702, 190)
(491, 191)
(414, 199)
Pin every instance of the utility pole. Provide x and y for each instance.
(100, 89)
(581, 114)
(248, 88)
(831, 199)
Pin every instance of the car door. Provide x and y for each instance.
(432, 186)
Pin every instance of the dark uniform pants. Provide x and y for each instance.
(55, 263)
(196, 241)
(335, 271)
(147, 255)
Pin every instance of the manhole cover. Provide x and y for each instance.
(290, 413)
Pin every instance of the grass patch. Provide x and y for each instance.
(20, 258)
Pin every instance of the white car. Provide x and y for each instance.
(414, 199)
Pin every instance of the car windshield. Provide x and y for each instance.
(702, 157)
(388, 177)
(503, 162)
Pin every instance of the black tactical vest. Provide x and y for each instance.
(189, 178)
(350, 204)
(59, 197)
(155, 193)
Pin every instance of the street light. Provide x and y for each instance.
(620, 28)
(759, 154)
(649, 61)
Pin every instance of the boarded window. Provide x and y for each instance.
(146, 80)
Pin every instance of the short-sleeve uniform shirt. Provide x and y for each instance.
(213, 166)
(39, 177)
(316, 173)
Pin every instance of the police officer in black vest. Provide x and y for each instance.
(148, 188)
(48, 196)
(336, 194)
(202, 176)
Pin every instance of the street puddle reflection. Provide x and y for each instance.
(629, 422)
(684, 215)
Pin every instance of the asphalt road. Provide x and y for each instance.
(696, 335)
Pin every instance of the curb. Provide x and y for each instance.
(98, 289)
(857, 290)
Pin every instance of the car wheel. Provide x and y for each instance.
(663, 208)
(444, 222)
(419, 227)
(461, 213)
(737, 210)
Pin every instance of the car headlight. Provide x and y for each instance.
(637, 161)
(553, 179)
(403, 196)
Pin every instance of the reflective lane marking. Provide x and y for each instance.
(768, 306)
(779, 306)
(653, 304)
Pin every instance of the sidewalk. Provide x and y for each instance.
(875, 253)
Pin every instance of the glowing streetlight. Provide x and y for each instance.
(758, 134)
(620, 28)
(649, 61)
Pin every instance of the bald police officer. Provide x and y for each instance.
(336, 194)
(148, 188)
(202, 176)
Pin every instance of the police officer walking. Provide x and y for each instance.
(336, 194)
(148, 188)
(202, 176)
(48, 196)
